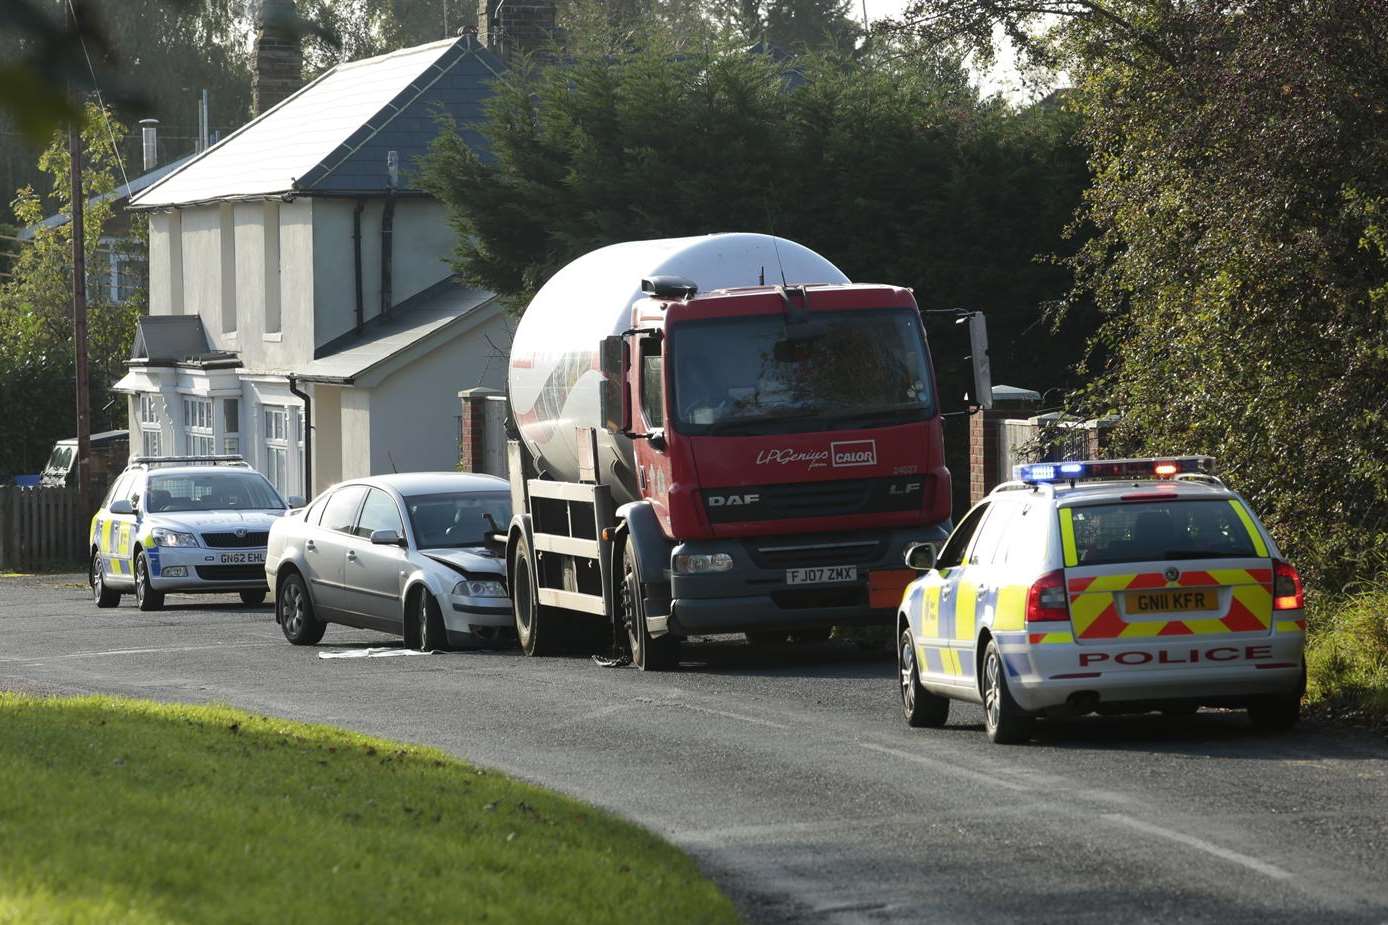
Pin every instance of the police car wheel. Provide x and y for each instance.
(145, 597)
(104, 596)
(294, 608)
(921, 708)
(1275, 713)
(253, 598)
(1003, 719)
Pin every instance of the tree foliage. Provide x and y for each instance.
(1240, 154)
(36, 345)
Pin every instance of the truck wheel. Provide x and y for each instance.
(145, 597)
(921, 708)
(104, 596)
(294, 609)
(647, 653)
(1003, 719)
(537, 626)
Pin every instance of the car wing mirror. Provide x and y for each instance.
(920, 556)
(122, 506)
(296, 501)
(386, 538)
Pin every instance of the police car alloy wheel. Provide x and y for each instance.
(104, 596)
(921, 708)
(146, 597)
(1003, 719)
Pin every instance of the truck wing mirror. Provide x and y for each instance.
(616, 414)
(978, 351)
(920, 556)
(612, 360)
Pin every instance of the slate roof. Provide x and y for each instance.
(165, 340)
(420, 322)
(331, 137)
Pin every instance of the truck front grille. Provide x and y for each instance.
(814, 499)
(854, 549)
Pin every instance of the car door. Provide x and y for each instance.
(105, 526)
(325, 550)
(372, 573)
(985, 570)
(935, 643)
(123, 529)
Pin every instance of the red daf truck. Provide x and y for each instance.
(698, 450)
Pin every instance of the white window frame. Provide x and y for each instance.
(199, 438)
(231, 427)
(275, 420)
(151, 432)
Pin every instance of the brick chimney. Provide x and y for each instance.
(515, 27)
(278, 60)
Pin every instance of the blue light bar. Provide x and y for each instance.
(1157, 467)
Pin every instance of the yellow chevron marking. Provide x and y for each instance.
(1056, 638)
(1010, 612)
(1258, 600)
(1258, 545)
(1145, 628)
(1086, 609)
(1206, 627)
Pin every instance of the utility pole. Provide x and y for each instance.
(79, 300)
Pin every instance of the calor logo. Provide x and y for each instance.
(853, 453)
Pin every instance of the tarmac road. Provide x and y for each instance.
(792, 777)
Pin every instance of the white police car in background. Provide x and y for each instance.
(1106, 585)
(184, 524)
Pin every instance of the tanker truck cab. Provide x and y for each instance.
(765, 454)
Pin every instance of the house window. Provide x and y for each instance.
(197, 424)
(277, 447)
(231, 426)
(151, 442)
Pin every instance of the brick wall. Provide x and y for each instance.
(986, 447)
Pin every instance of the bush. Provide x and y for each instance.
(1347, 653)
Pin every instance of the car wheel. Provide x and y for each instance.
(767, 638)
(1004, 721)
(431, 634)
(647, 653)
(294, 610)
(145, 597)
(253, 598)
(104, 596)
(537, 626)
(1278, 713)
(921, 708)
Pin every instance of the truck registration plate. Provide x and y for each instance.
(821, 574)
(242, 558)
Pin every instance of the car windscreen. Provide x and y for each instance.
(211, 491)
(60, 460)
(457, 518)
(1146, 531)
(766, 374)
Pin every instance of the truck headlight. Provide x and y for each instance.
(472, 588)
(163, 537)
(702, 563)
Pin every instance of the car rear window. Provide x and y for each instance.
(1144, 531)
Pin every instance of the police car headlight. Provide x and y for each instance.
(703, 563)
(479, 589)
(163, 537)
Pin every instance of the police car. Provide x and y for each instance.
(1111, 586)
(185, 524)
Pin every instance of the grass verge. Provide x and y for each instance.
(115, 810)
(1347, 654)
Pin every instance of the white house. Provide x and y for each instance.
(302, 310)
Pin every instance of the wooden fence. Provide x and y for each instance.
(42, 528)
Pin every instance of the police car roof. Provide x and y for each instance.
(194, 470)
(1106, 491)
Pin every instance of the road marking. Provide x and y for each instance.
(948, 768)
(54, 658)
(1261, 867)
(755, 833)
(738, 716)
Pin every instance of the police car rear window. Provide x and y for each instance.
(1150, 530)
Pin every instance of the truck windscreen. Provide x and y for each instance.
(763, 374)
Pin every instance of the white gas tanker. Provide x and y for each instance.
(717, 434)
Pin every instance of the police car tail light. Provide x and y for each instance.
(1287, 592)
(1046, 600)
